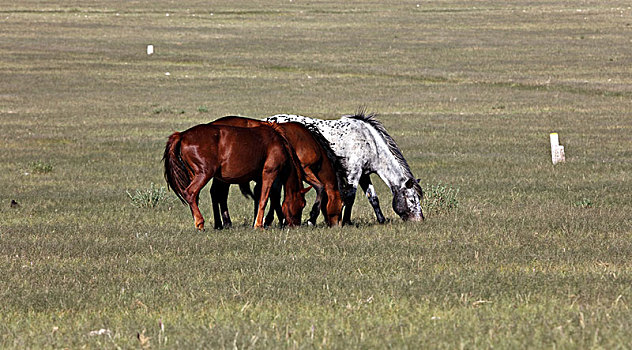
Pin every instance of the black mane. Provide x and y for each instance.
(340, 167)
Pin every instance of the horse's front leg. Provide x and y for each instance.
(319, 204)
(275, 205)
(266, 184)
(369, 190)
(257, 195)
(192, 193)
(311, 177)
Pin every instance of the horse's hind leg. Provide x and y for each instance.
(349, 199)
(192, 196)
(219, 197)
(369, 190)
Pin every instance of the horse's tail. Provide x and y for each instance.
(292, 153)
(245, 190)
(176, 171)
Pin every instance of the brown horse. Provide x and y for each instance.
(235, 156)
(318, 162)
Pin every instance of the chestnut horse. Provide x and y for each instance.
(235, 156)
(320, 168)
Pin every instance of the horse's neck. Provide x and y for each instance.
(292, 182)
(386, 165)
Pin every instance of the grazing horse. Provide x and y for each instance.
(362, 141)
(320, 168)
(233, 155)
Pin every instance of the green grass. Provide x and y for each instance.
(533, 256)
(148, 197)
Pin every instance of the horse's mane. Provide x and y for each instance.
(390, 142)
(290, 149)
(339, 164)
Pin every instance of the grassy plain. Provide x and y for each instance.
(536, 256)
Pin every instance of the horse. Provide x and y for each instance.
(234, 155)
(321, 170)
(367, 148)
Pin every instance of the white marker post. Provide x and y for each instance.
(150, 49)
(557, 151)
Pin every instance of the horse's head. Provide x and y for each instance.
(293, 205)
(407, 201)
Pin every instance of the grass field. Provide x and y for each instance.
(535, 255)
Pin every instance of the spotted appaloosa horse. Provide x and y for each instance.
(319, 167)
(366, 147)
(234, 155)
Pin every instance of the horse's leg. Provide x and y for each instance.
(324, 206)
(216, 190)
(266, 184)
(278, 208)
(320, 202)
(219, 196)
(257, 195)
(275, 205)
(192, 194)
(223, 204)
(349, 198)
(369, 190)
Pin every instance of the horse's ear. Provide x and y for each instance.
(410, 183)
(306, 189)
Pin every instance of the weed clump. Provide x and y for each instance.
(149, 197)
(40, 167)
(584, 203)
(440, 199)
(168, 110)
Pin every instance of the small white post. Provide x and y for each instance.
(557, 151)
(150, 49)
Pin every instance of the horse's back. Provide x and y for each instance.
(235, 154)
(307, 148)
(349, 139)
(343, 134)
(201, 136)
(237, 121)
